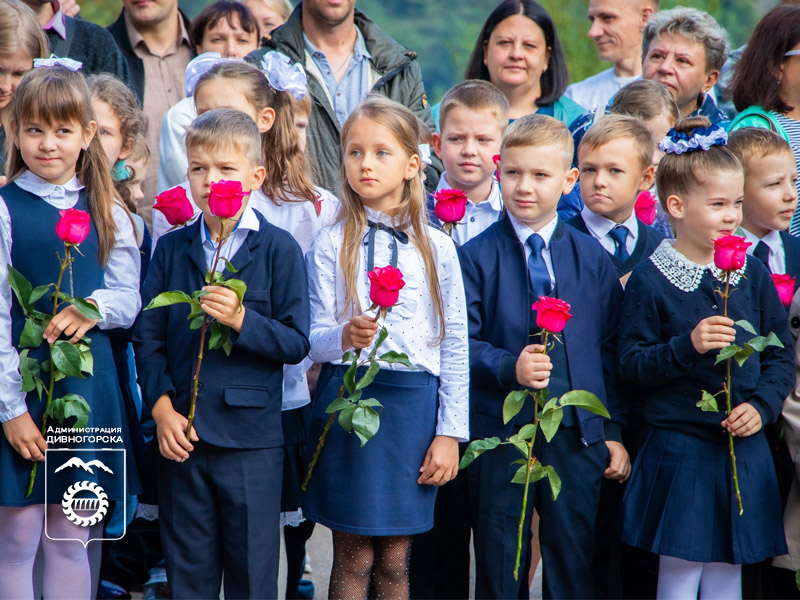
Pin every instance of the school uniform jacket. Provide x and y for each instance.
(647, 240)
(499, 307)
(239, 403)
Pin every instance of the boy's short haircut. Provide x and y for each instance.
(613, 127)
(748, 143)
(539, 130)
(476, 95)
(226, 127)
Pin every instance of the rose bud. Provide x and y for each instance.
(785, 286)
(730, 252)
(175, 206)
(551, 314)
(645, 207)
(385, 285)
(225, 199)
(451, 205)
(73, 226)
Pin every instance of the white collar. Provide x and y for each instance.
(772, 240)
(600, 225)
(247, 222)
(30, 182)
(682, 272)
(524, 231)
(377, 216)
(495, 199)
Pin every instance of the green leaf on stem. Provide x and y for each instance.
(71, 405)
(555, 480)
(513, 404)
(199, 294)
(86, 308)
(519, 476)
(228, 265)
(708, 403)
(20, 286)
(337, 404)
(350, 376)
(168, 298)
(63, 296)
(38, 292)
(476, 448)
(355, 396)
(366, 422)
(743, 354)
(726, 353)
(346, 418)
(197, 322)
(744, 324)
(374, 367)
(550, 421)
(216, 335)
(348, 356)
(393, 357)
(87, 360)
(797, 579)
(383, 333)
(760, 343)
(370, 402)
(67, 358)
(550, 405)
(30, 370)
(32, 334)
(520, 445)
(227, 344)
(527, 431)
(585, 400)
(543, 396)
(238, 286)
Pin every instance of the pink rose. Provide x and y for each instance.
(451, 205)
(225, 199)
(175, 206)
(385, 285)
(785, 286)
(551, 314)
(730, 252)
(73, 226)
(645, 207)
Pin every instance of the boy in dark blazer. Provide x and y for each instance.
(615, 159)
(527, 254)
(219, 495)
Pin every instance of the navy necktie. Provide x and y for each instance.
(537, 268)
(761, 252)
(620, 236)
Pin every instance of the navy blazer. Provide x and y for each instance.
(498, 303)
(239, 403)
(647, 240)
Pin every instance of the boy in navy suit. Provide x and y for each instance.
(615, 159)
(219, 495)
(770, 197)
(527, 254)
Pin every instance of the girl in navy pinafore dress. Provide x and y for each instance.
(58, 164)
(680, 501)
(374, 498)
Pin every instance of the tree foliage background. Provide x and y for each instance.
(443, 33)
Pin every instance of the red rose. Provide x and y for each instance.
(385, 285)
(73, 226)
(729, 252)
(175, 206)
(451, 205)
(785, 286)
(551, 314)
(225, 199)
(645, 207)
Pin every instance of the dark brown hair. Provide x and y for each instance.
(223, 9)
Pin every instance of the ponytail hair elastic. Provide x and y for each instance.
(285, 76)
(54, 61)
(701, 138)
(201, 65)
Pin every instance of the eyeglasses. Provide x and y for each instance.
(792, 53)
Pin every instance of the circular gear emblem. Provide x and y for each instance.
(85, 503)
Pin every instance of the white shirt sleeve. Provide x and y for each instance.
(326, 332)
(172, 161)
(119, 300)
(12, 399)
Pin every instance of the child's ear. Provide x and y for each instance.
(569, 181)
(88, 132)
(648, 177)
(12, 126)
(259, 173)
(412, 168)
(675, 207)
(266, 119)
(437, 143)
(126, 149)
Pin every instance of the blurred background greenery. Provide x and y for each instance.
(443, 33)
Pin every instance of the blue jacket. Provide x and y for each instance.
(239, 404)
(496, 281)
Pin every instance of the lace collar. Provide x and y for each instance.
(682, 272)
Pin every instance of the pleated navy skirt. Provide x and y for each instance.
(680, 499)
(373, 490)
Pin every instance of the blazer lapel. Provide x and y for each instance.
(195, 250)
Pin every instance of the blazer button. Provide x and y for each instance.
(715, 307)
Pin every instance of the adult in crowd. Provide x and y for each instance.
(154, 40)
(270, 14)
(346, 57)
(766, 81)
(227, 28)
(617, 27)
(79, 40)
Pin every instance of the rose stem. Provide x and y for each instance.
(321, 443)
(728, 403)
(196, 378)
(64, 264)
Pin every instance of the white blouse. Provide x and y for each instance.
(411, 323)
(118, 300)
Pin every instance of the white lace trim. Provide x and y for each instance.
(148, 512)
(682, 272)
(292, 519)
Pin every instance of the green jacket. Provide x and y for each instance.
(399, 78)
(755, 116)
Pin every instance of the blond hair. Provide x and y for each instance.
(412, 213)
(225, 128)
(645, 99)
(748, 143)
(476, 95)
(613, 127)
(539, 130)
